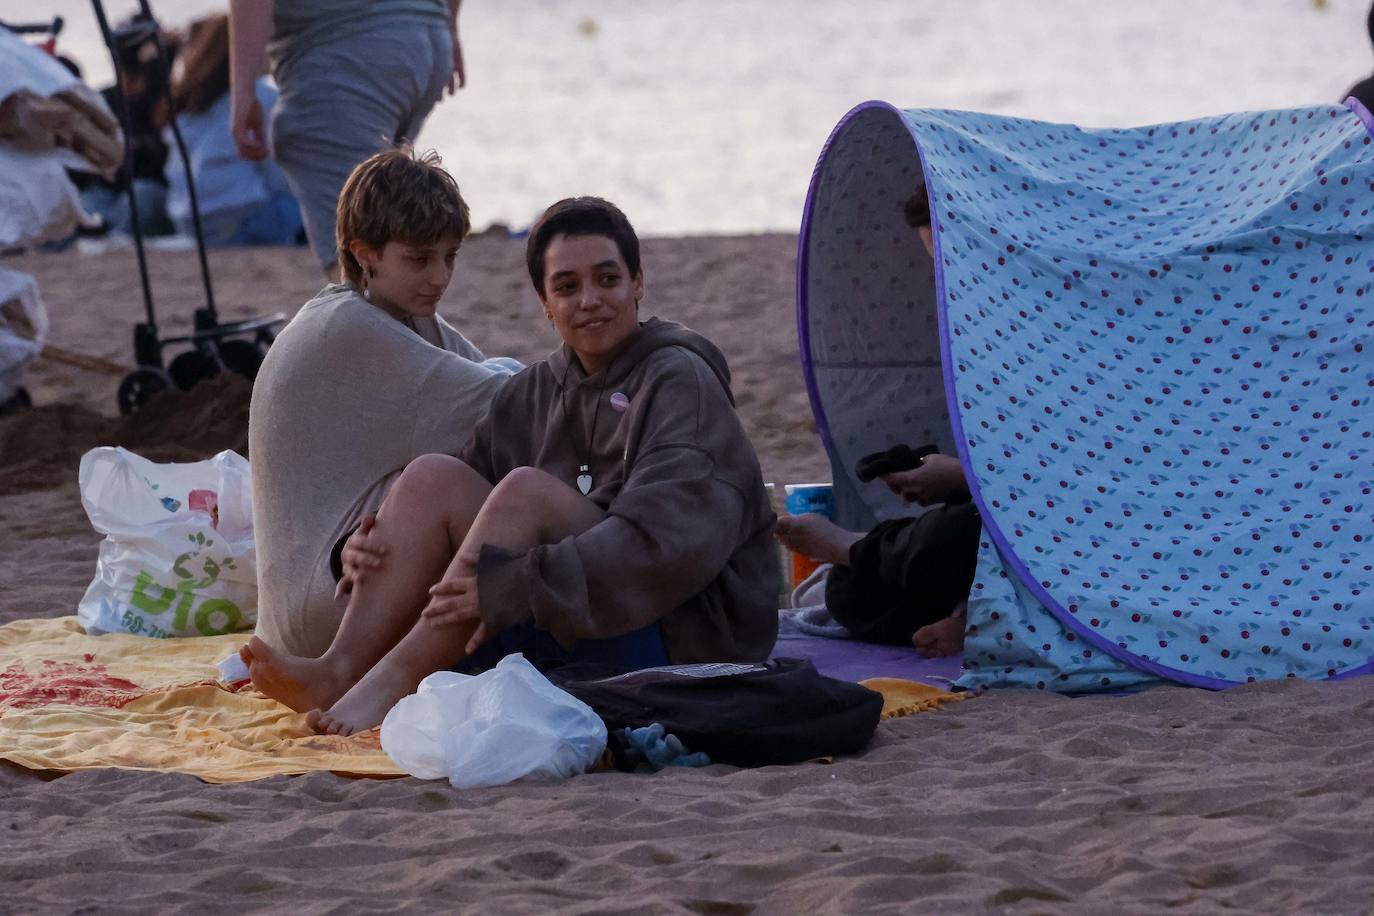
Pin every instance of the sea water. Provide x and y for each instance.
(707, 116)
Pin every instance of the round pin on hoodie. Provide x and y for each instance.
(620, 402)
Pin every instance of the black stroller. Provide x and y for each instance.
(212, 347)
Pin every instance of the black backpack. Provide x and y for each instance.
(777, 712)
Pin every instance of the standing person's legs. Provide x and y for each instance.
(527, 508)
(342, 102)
(420, 525)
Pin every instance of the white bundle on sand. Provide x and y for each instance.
(49, 122)
(504, 724)
(23, 328)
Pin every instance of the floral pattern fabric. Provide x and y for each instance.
(1157, 358)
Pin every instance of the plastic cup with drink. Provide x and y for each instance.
(801, 499)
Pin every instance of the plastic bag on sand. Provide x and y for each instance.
(496, 727)
(178, 557)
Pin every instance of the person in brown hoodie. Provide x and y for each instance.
(608, 508)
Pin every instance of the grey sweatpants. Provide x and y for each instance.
(343, 101)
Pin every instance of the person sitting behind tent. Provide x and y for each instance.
(608, 509)
(906, 581)
(1364, 89)
(365, 378)
(240, 202)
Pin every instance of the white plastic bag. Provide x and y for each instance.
(38, 201)
(496, 727)
(23, 328)
(178, 558)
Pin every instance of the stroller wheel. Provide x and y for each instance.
(241, 357)
(139, 387)
(191, 368)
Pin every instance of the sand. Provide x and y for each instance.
(1259, 799)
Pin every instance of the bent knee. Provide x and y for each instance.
(523, 484)
(430, 474)
(527, 478)
(522, 488)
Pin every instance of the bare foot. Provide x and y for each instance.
(817, 537)
(301, 683)
(942, 638)
(324, 724)
(366, 703)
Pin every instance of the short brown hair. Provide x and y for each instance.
(397, 196)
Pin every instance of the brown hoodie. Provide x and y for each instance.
(687, 539)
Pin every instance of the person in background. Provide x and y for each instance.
(355, 76)
(1364, 89)
(240, 202)
(145, 87)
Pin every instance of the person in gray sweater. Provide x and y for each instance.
(608, 508)
(365, 378)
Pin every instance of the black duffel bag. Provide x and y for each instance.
(778, 712)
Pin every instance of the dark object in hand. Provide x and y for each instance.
(897, 458)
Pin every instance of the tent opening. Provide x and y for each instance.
(866, 309)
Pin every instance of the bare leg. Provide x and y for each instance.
(817, 537)
(421, 523)
(527, 508)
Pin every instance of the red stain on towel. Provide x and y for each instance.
(66, 683)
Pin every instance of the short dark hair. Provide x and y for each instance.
(578, 216)
(917, 209)
(397, 196)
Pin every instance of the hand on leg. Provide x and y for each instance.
(361, 553)
(527, 508)
(422, 520)
(454, 602)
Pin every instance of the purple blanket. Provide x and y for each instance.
(854, 661)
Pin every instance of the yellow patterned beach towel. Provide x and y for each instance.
(69, 701)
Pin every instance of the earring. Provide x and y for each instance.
(369, 272)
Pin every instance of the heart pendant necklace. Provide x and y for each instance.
(584, 470)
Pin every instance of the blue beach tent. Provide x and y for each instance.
(1153, 350)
